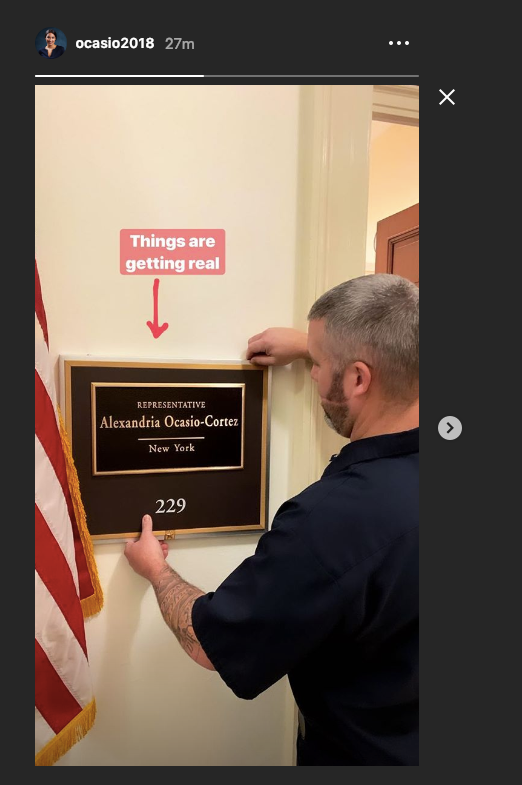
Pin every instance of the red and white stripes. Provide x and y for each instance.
(63, 687)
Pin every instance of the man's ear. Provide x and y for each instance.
(357, 379)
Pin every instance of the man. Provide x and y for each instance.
(330, 597)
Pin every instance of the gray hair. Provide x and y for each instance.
(375, 319)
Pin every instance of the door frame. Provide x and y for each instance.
(333, 178)
(384, 256)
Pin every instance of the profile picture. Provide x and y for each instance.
(51, 43)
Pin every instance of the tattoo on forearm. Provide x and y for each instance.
(176, 598)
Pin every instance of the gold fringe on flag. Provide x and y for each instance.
(67, 737)
(94, 603)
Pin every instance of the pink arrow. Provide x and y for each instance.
(155, 328)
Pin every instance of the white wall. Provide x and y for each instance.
(150, 156)
(394, 176)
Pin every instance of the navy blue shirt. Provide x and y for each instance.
(330, 598)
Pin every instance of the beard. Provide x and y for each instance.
(336, 411)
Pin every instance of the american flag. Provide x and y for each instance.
(67, 588)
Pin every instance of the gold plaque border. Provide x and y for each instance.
(69, 363)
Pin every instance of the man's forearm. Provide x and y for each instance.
(176, 598)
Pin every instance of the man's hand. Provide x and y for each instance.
(175, 596)
(147, 555)
(277, 346)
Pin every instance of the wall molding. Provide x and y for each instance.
(332, 214)
(334, 140)
(396, 104)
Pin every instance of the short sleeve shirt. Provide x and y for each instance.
(330, 598)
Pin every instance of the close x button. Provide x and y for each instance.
(447, 96)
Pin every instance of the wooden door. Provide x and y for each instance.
(397, 246)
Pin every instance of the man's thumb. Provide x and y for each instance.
(263, 359)
(146, 524)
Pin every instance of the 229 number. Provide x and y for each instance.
(173, 503)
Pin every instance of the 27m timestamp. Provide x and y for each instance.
(178, 43)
